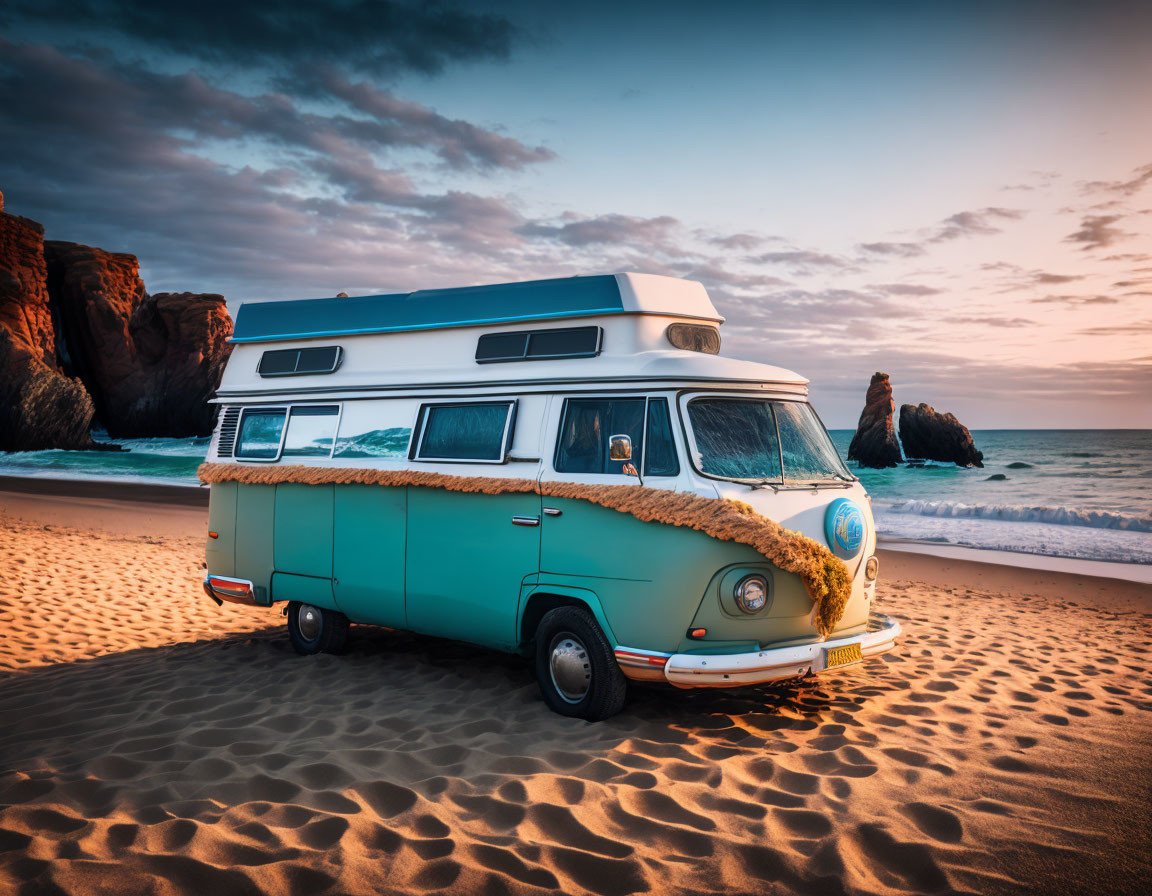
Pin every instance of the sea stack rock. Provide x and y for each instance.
(40, 407)
(874, 444)
(150, 362)
(928, 435)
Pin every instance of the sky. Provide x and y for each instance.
(957, 194)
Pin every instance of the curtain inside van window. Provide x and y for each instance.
(464, 432)
(588, 425)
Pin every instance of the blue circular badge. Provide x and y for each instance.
(844, 526)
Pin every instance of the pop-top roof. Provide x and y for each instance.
(472, 306)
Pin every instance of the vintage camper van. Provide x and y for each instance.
(567, 468)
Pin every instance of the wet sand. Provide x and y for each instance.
(153, 743)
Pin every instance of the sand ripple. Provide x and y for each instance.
(153, 744)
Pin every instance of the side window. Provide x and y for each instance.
(587, 426)
(311, 431)
(660, 456)
(379, 429)
(466, 432)
(260, 432)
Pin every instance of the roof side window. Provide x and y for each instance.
(478, 432)
(300, 361)
(539, 345)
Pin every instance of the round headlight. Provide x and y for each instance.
(752, 593)
(871, 569)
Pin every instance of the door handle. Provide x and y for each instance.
(525, 521)
(552, 511)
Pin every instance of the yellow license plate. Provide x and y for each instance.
(843, 655)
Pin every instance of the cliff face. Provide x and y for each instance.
(874, 443)
(81, 340)
(40, 407)
(150, 362)
(929, 435)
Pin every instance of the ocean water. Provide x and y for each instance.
(1083, 494)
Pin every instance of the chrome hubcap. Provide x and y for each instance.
(570, 667)
(308, 621)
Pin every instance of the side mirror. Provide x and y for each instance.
(620, 447)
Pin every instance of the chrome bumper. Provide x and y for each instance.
(226, 588)
(690, 670)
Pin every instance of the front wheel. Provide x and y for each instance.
(316, 630)
(576, 667)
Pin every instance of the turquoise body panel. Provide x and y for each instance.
(255, 530)
(466, 563)
(453, 564)
(369, 543)
(303, 530)
(220, 552)
(649, 577)
(306, 589)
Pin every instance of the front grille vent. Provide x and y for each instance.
(229, 419)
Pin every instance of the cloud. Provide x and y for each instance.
(989, 321)
(1097, 232)
(906, 289)
(377, 37)
(803, 260)
(118, 155)
(613, 229)
(1075, 300)
(1046, 277)
(1140, 178)
(895, 250)
(745, 241)
(1130, 329)
(982, 222)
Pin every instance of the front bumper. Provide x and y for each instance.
(690, 670)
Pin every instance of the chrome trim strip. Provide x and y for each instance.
(506, 385)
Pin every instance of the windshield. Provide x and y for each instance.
(738, 438)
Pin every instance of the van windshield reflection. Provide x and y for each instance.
(763, 441)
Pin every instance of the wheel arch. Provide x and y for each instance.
(539, 599)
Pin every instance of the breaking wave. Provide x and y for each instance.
(1059, 516)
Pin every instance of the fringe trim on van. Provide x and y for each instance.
(823, 573)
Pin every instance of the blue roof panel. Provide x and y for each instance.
(428, 309)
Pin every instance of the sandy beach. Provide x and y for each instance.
(151, 742)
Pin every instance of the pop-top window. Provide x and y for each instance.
(466, 432)
(300, 361)
(589, 424)
(260, 432)
(311, 431)
(694, 338)
(539, 345)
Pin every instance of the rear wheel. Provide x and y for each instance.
(576, 667)
(316, 630)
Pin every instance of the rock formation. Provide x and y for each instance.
(81, 340)
(150, 362)
(874, 444)
(931, 436)
(40, 407)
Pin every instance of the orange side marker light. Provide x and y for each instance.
(213, 534)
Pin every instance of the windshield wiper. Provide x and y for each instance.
(764, 483)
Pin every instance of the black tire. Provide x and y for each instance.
(325, 631)
(574, 632)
